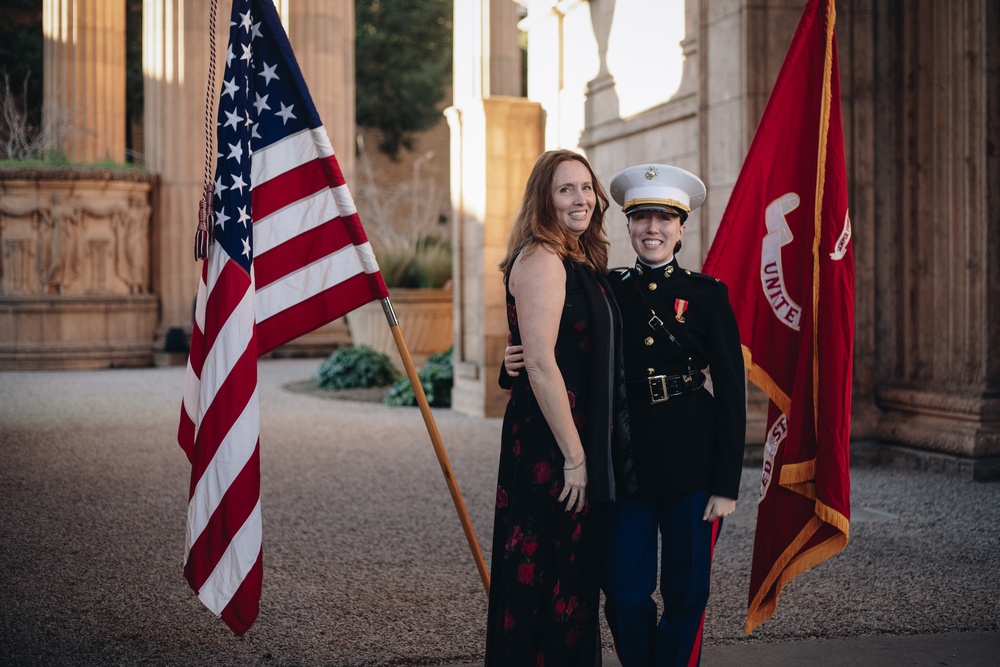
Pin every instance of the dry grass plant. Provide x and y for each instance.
(401, 222)
(20, 141)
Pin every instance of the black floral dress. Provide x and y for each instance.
(544, 599)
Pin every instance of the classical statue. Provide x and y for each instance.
(61, 227)
(131, 227)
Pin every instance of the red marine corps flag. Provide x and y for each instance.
(288, 255)
(783, 248)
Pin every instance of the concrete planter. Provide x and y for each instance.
(425, 319)
(76, 332)
(75, 285)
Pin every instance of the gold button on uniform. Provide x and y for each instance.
(651, 287)
(648, 341)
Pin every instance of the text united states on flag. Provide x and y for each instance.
(289, 255)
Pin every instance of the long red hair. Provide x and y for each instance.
(536, 223)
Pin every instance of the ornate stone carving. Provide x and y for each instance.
(131, 226)
(63, 229)
(60, 233)
(74, 269)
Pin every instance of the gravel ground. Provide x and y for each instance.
(365, 560)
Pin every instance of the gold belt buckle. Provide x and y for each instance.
(658, 389)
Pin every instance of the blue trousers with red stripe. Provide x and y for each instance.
(629, 578)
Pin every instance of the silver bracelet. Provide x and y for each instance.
(576, 466)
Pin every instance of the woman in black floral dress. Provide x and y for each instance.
(562, 428)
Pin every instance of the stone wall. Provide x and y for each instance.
(936, 284)
(919, 96)
(410, 194)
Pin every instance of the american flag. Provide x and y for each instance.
(289, 255)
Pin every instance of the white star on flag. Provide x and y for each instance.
(221, 218)
(268, 73)
(232, 118)
(238, 183)
(285, 113)
(261, 103)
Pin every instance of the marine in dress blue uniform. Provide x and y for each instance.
(687, 436)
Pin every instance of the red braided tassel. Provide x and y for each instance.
(203, 237)
(206, 223)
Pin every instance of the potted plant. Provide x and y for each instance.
(75, 276)
(403, 219)
(418, 276)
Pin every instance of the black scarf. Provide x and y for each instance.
(606, 443)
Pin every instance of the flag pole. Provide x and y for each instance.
(432, 431)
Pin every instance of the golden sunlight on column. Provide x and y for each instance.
(84, 78)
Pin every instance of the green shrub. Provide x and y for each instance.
(351, 367)
(436, 377)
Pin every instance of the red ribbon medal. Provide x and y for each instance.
(680, 305)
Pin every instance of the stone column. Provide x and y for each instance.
(856, 51)
(504, 54)
(175, 68)
(494, 145)
(495, 141)
(937, 190)
(84, 78)
(733, 84)
(322, 35)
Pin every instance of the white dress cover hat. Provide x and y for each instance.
(658, 187)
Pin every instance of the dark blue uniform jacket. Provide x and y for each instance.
(695, 440)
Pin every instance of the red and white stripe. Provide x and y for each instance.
(312, 264)
(312, 260)
(219, 431)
